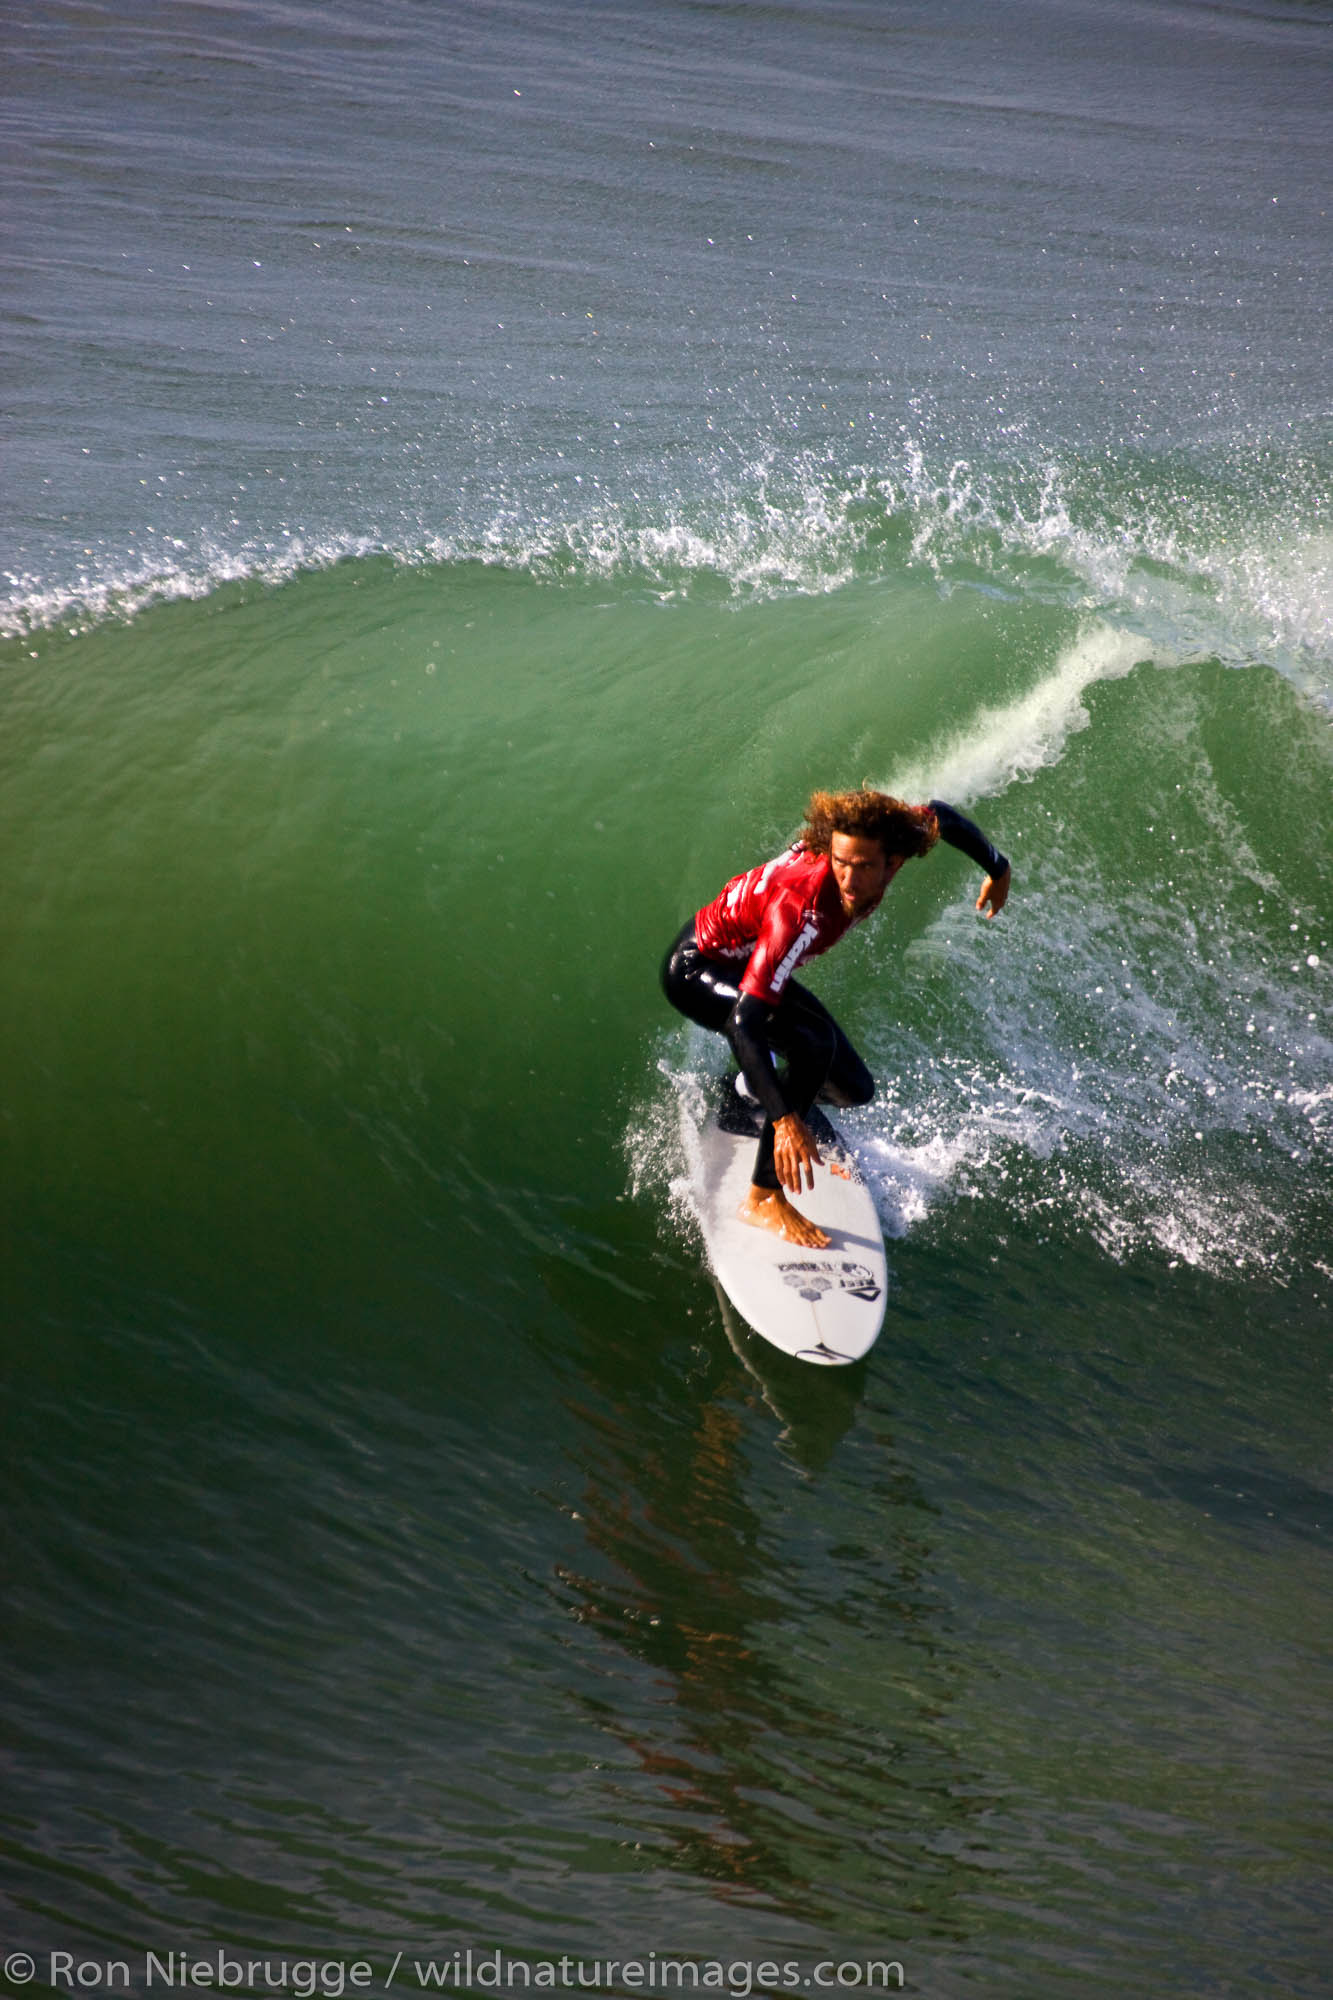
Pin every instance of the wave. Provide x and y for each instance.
(1187, 563)
(1139, 1139)
(999, 745)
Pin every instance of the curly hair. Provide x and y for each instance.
(899, 829)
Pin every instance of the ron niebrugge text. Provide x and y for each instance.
(327, 1978)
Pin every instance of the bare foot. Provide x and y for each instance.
(769, 1208)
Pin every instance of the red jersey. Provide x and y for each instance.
(775, 917)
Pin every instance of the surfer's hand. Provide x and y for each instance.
(995, 891)
(795, 1154)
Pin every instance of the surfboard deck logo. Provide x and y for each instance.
(811, 1280)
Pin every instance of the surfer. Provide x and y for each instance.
(730, 970)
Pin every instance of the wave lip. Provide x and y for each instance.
(123, 592)
(1186, 568)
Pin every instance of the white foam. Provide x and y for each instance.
(1139, 1084)
(757, 541)
(1194, 571)
(124, 590)
(1245, 577)
(1000, 745)
(661, 1150)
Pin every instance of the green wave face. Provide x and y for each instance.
(471, 472)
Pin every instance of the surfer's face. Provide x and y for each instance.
(862, 871)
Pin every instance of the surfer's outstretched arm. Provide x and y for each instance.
(964, 834)
(995, 893)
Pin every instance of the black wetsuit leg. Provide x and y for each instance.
(819, 1061)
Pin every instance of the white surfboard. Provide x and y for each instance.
(823, 1306)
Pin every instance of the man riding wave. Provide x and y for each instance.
(730, 970)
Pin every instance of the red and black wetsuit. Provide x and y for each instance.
(730, 970)
(774, 917)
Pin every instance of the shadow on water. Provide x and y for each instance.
(786, 1677)
(815, 1407)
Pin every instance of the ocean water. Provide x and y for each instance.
(470, 471)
